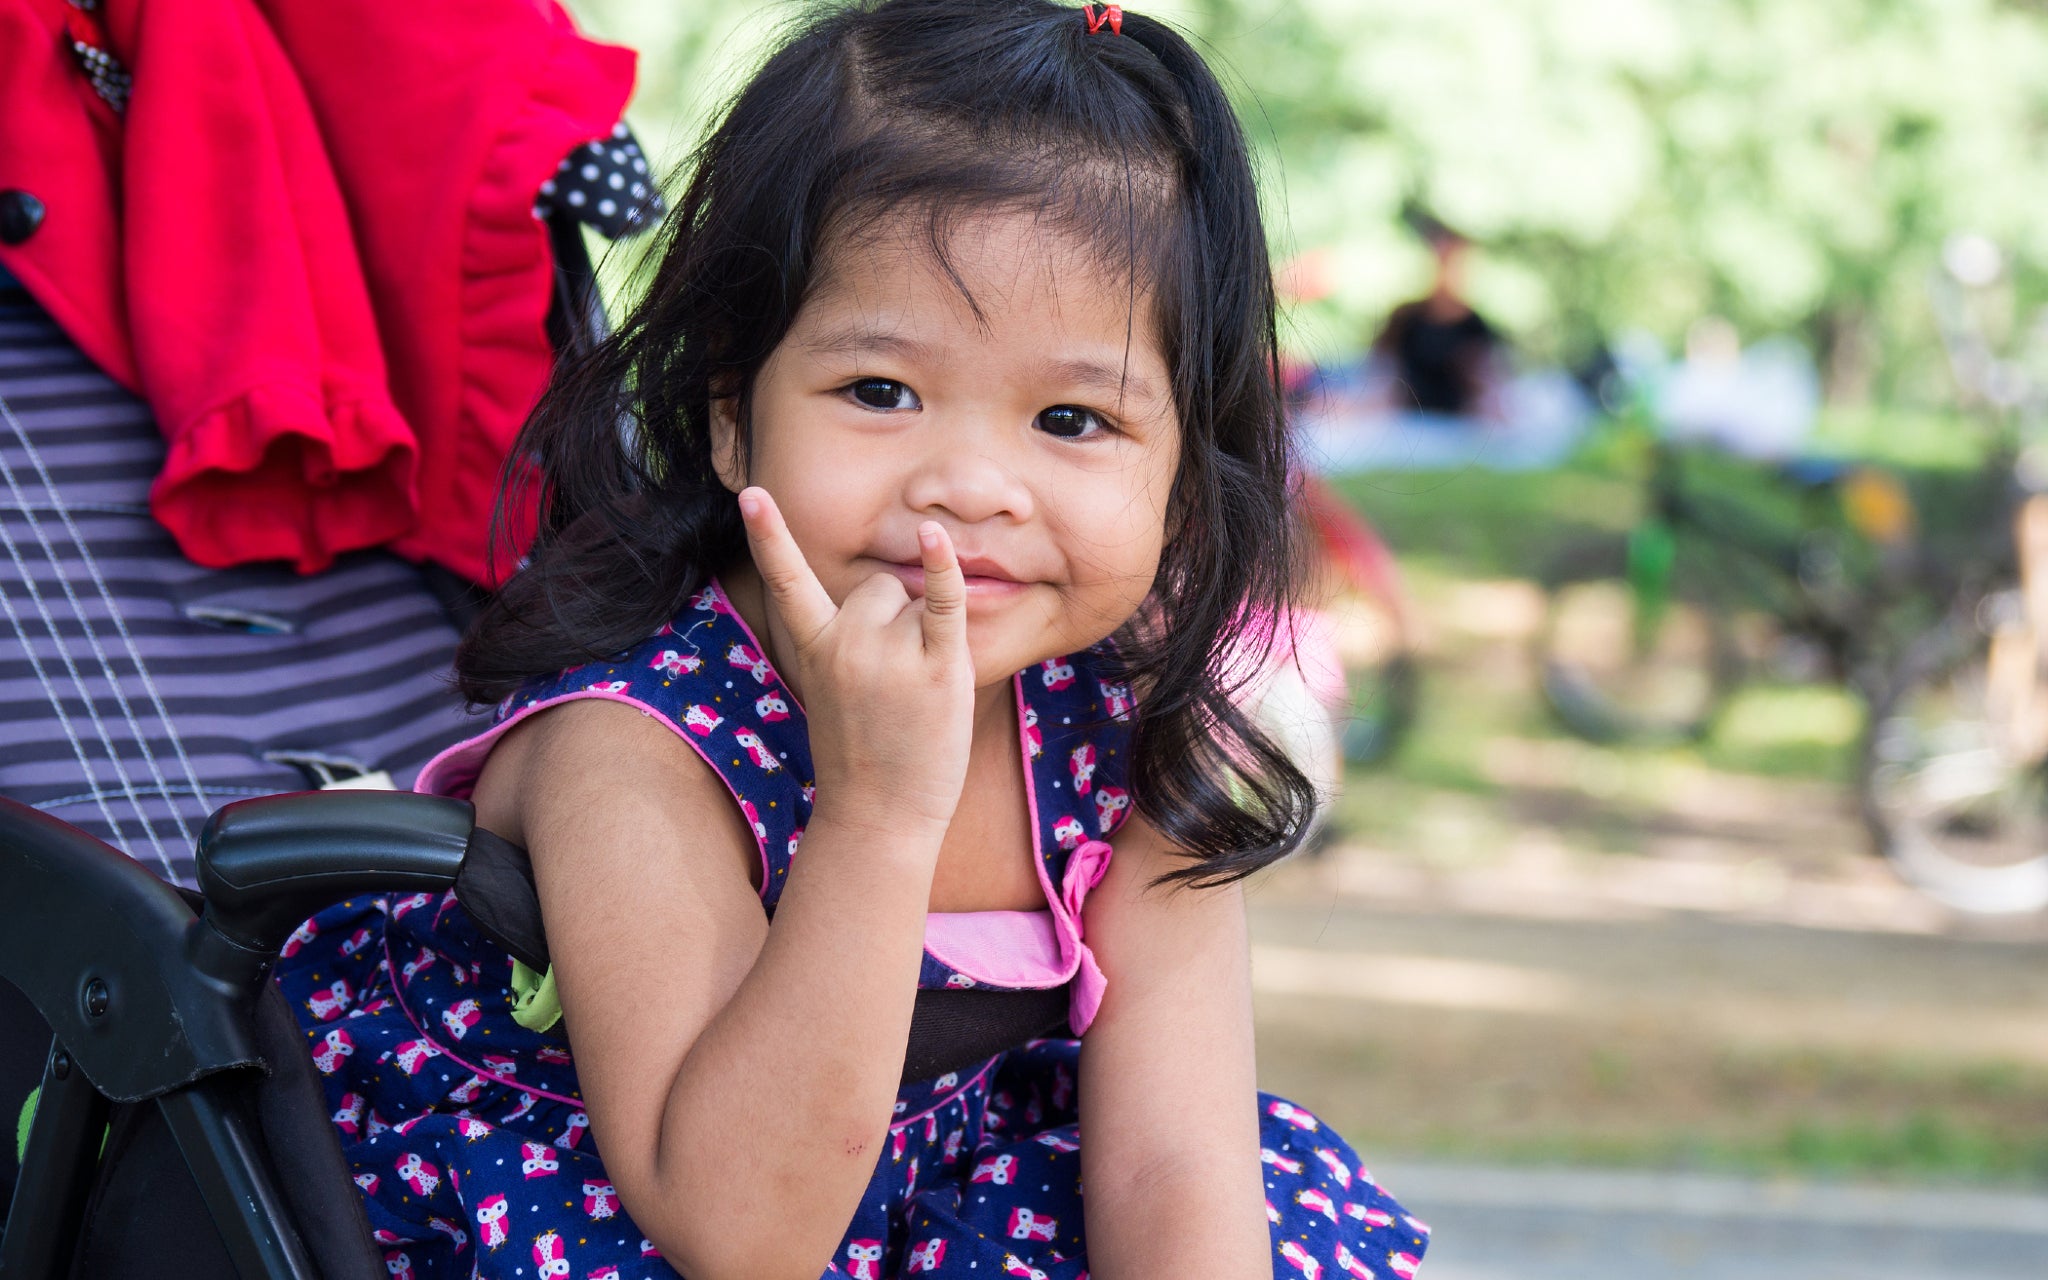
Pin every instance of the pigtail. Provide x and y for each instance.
(1205, 773)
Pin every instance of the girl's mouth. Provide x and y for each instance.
(985, 579)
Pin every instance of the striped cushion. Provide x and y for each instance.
(139, 691)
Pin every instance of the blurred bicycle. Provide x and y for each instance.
(1927, 596)
(1953, 777)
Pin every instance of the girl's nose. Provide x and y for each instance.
(969, 482)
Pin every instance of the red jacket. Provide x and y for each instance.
(309, 243)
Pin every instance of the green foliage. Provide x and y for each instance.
(1624, 163)
(1639, 163)
(1927, 1147)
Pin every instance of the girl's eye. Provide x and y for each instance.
(1071, 422)
(884, 394)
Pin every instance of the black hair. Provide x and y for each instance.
(948, 107)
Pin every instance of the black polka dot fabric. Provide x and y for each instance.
(606, 185)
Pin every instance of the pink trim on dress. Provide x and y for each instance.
(1085, 868)
(1002, 948)
(465, 760)
(1077, 962)
(1052, 896)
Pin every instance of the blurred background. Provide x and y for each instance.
(1672, 375)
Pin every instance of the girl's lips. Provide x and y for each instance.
(980, 586)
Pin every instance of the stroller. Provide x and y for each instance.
(169, 1120)
(165, 1118)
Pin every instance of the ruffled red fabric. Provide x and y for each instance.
(309, 242)
(280, 474)
(441, 155)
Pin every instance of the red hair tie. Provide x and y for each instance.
(1112, 14)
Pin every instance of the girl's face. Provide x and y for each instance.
(1040, 432)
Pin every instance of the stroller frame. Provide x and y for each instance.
(150, 1001)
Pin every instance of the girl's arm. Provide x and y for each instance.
(740, 1079)
(1168, 1091)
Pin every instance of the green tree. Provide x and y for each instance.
(1623, 163)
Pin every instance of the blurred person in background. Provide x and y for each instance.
(1759, 402)
(1437, 388)
(1443, 356)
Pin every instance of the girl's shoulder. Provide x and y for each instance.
(699, 668)
(704, 676)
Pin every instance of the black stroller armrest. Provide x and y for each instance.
(268, 863)
(96, 944)
(144, 997)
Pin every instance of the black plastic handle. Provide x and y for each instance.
(96, 944)
(266, 864)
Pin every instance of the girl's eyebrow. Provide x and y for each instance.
(856, 339)
(1101, 377)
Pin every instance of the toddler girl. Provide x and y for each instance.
(873, 664)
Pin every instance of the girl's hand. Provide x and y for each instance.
(888, 683)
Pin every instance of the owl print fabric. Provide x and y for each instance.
(466, 1131)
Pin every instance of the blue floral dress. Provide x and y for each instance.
(466, 1130)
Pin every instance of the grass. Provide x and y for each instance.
(1925, 1145)
(1920, 1149)
(1484, 756)
(1446, 1086)
(1898, 1118)
(1478, 523)
(1890, 436)
(1781, 730)
(1452, 529)
(1486, 524)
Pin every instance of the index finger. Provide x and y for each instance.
(799, 597)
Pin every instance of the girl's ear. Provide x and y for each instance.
(727, 458)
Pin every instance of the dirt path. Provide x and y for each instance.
(1676, 1012)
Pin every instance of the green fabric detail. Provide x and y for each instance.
(27, 1120)
(1652, 552)
(21, 1126)
(535, 1005)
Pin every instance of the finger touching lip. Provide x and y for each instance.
(980, 586)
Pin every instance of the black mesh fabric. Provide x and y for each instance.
(24, 1045)
(146, 1217)
(951, 1030)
